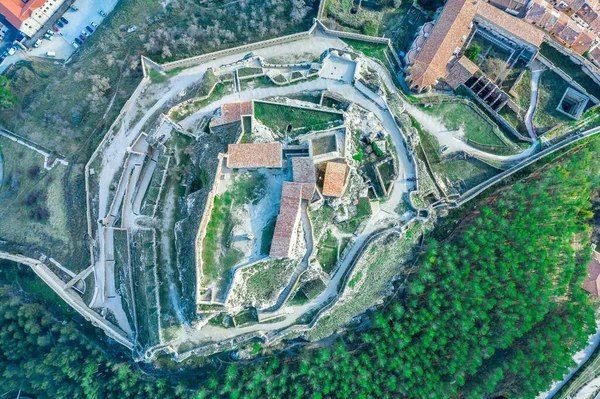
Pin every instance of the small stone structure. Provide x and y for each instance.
(572, 103)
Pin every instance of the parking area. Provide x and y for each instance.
(84, 13)
(87, 15)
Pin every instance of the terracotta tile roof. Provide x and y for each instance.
(447, 34)
(592, 282)
(583, 42)
(576, 5)
(452, 28)
(233, 113)
(515, 26)
(335, 178)
(460, 72)
(536, 12)
(595, 54)
(16, 11)
(254, 155)
(587, 14)
(303, 171)
(560, 25)
(284, 236)
(516, 5)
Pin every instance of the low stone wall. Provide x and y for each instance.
(200, 59)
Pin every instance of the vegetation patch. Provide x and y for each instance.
(570, 68)
(478, 131)
(551, 89)
(32, 205)
(218, 256)
(293, 121)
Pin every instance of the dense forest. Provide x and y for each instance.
(494, 308)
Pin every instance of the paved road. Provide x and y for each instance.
(536, 72)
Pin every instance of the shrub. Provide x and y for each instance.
(378, 151)
(473, 52)
(358, 156)
(370, 28)
(34, 172)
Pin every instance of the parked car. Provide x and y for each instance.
(74, 44)
(50, 54)
(89, 29)
(84, 33)
(60, 24)
(95, 25)
(37, 43)
(48, 37)
(78, 41)
(12, 50)
(64, 20)
(73, 8)
(55, 28)
(82, 37)
(102, 13)
(49, 31)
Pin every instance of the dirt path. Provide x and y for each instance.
(451, 138)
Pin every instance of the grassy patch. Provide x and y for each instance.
(268, 278)
(328, 252)
(477, 130)
(156, 76)
(372, 50)
(248, 71)
(220, 90)
(144, 287)
(523, 91)
(386, 170)
(363, 211)
(218, 257)
(278, 117)
(32, 204)
(571, 69)
(551, 89)
(464, 174)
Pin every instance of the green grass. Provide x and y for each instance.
(357, 277)
(363, 211)
(248, 188)
(156, 76)
(17, 194)
(269, 278)
(277, 117)
(470, 171)
(144, 287)
(476, 129)
(328, 252)
(551, 89)
(516, 120)
(571, 69)
(248, 71)
(429, 143)
(245, 317)
(256, 83)
(372, 50)
(220, 90)
(386, 170)
(523, 91)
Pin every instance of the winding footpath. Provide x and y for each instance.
(536, 72)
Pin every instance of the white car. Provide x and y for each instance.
(12, 51)
(37, 43)
(75, 45)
